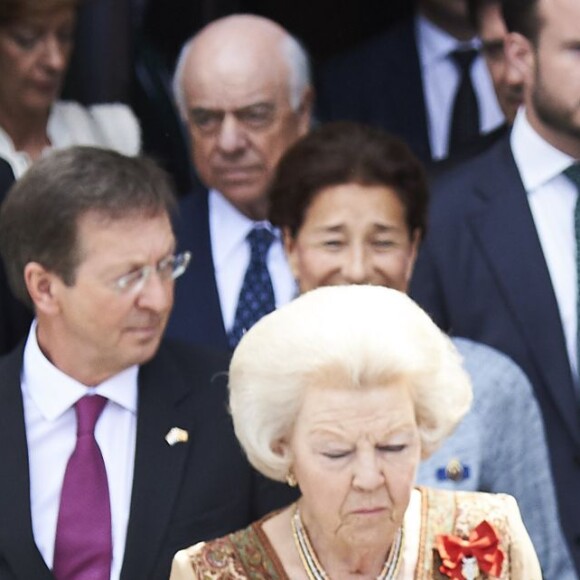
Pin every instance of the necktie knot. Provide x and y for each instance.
(260, 240)
(573, 173)
(463, 58)
(88, 410)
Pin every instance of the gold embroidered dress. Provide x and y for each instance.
(431, 514)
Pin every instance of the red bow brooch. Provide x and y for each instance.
(464, 559)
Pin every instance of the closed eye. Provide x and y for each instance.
(383, 243)
(336, 454)
(333, 244)
(392, 448)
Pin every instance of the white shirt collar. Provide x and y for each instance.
(434, 44)
(538, 162)
(54, 392)
(232, 225)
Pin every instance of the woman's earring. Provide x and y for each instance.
(291, 480)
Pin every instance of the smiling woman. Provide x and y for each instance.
(353, 385)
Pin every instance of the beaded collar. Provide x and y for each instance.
(314, 569)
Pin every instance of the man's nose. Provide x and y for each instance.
(157, 293)
(231, 136)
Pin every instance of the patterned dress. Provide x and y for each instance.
(249, 554)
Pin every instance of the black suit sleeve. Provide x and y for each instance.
(15, 318)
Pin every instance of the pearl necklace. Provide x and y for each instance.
(315, 571)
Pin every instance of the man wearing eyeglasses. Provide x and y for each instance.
(116, 446)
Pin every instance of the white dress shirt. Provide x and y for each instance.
(49, 396)
(231, 255)
(441, 81)
(552, 198)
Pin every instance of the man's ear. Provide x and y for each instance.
(40, 284)
(305, 111)
(520, 55)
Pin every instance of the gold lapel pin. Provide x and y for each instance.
(177, 435)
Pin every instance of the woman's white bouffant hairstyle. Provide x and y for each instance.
(352, 337)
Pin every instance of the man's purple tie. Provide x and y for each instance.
(83, 547)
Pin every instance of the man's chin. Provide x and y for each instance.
(247, 198)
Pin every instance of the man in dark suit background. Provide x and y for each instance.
(406, 79)
(243, 87)
(87, 240)
(499, 264)
(487, 19)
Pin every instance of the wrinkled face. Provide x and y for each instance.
(507, 80)
(555, 84)
(107, 329)
(34, 56)
(353, 234)
(240, 123)
(355, 454)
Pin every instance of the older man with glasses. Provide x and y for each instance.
(117, 447)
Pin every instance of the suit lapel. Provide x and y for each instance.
(507, 235)
(158, 466)
(16, 536)
(197, 312)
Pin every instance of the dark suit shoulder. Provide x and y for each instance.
(363, 59)
(350, 84)
(461, 188)
(11, 363)
(207, 366)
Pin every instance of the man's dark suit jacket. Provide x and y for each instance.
(379, 83)
(181, 494)
(481, 274)
(14, 317)
(197, 316)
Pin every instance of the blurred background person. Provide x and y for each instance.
(424, 80)
(487, 19)
(500, 260)
(351, 202)
(352, 387)
(243, 88)
(36, 42)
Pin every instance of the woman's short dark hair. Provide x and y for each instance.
(40, 215)
(340, 153)
(15, 11)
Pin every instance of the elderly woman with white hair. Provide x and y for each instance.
(342, 392)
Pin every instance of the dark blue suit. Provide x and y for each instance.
(481, 274)
(379, 83)
(196, 316)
